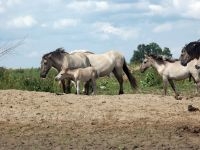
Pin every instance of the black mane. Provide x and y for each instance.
(56, 52)
(193, 49)
(162, 59)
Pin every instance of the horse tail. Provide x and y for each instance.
(131, 78)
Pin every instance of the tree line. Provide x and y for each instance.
(151, 48)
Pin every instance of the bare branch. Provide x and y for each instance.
(6, 50)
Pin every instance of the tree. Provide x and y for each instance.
(151, 48)
(166, 52)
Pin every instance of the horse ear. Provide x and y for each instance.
(145, 55)
(49, 56)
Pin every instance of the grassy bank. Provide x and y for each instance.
(29, 79)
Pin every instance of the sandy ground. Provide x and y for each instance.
(38, 120)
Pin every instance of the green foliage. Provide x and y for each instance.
(151, 79)
(29, 79)
(151, 48)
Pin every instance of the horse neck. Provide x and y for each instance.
(57, 63)
(158, 66)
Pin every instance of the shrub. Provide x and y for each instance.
(151, 79)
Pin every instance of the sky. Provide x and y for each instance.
(95, 25)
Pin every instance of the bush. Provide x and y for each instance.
(151, 79)
(29, 79)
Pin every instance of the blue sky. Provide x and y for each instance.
(95, 25)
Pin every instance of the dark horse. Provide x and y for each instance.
(189, 52)
(58, 58)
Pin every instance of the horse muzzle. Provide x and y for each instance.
(43, 76)
(184, 63)
(142, 70)
(57, 78)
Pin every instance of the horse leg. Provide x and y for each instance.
(174, 88)
(118, 75)
(165, 83)
(197, 84)
(78, 87)
(94, 87)
(197, 87)
(196, 81)
(68, 87)
(63, 85)
(87, 87)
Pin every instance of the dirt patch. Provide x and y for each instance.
(38, 120)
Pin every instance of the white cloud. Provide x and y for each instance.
(12, 2)
(2, 7)
(89, 6)
(103, 6)
(106, 30)
(156, 9)
(22, 22)
(5, 4)
(163, 27)
(181, 8)
(185, 8)
(193, 10)
(63, 23)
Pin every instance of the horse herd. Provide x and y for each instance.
(86, 67)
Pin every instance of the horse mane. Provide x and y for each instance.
(163, 59)
(193, 49)
(57, 52)
(81, 51)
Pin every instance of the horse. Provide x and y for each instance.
(57, 58)
(112, 62)
(79, 75)
(189, 52)
(171, 70)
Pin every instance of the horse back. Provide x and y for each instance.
(77, 60)
(106, 62)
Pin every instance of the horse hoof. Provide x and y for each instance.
(121, 92)
(67, 92)
(192, 108)
(59, 93)
(178, 97)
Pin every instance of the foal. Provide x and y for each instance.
(79, 75)
(171, 70)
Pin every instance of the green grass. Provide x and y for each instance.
(29, 79)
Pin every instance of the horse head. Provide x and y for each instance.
(46, 65)
(189, 52)
(52, 59)
(185, 57)
(146, 63)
